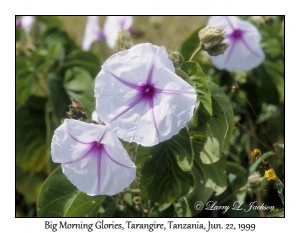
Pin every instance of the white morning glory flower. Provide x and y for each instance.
(112, 26)
(92, 32)
(26, 22)
(244, 52)
(138, 93)
(92, 157)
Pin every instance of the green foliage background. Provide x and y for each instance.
(209, 160)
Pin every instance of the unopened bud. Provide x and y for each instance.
(211, 36)
(76, 111)
(254, 182)
(176, 58)
(124, 40)
(217, 50)
(256, 153)
(211, 40)
(137, 200)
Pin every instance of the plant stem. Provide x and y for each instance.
(258, 161)
(253, 111)
(258, 140)
(132, 191)
(196, 51)
(260, 203)
(279, 186)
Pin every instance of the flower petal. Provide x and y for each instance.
(112, 26)
(133, 64)
(92, 32)
(98, 174)
(170, 119)
(131, 113)
(95, 116)
(73, 139)
(240, 56)
(229, 23)
(101, 167)
(27, 23)
(137, 125)
(244, 53)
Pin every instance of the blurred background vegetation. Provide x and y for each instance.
(51, 67)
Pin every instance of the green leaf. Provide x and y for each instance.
(190, 45)
(237, 175)
(85, 60)
(182, 208)
(184, 76)
(128, 212)
(58, 36)
(226, 109)
(276, 213)
(78, 83)
(58, 96)
(164, 168)
(56, 52)
(209, 179)
(25, 80)
(209, 140)
(29, 185)
(31, 151)
(162, 210)
(276, 74)
(51, 21)
(108, 207)
(60, 198)
(203, 111)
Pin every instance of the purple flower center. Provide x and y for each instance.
(97, 145)
(236, 34)
(100, 35)
(147, 90)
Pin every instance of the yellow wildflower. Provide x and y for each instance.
(256, 153)
(270, 174)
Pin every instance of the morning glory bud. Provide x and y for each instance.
(211, 36)
(176, 58)
(112, 26)
(76, 111)
(123, 41)
(211, 39)
(218, 49)
(254, 182)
